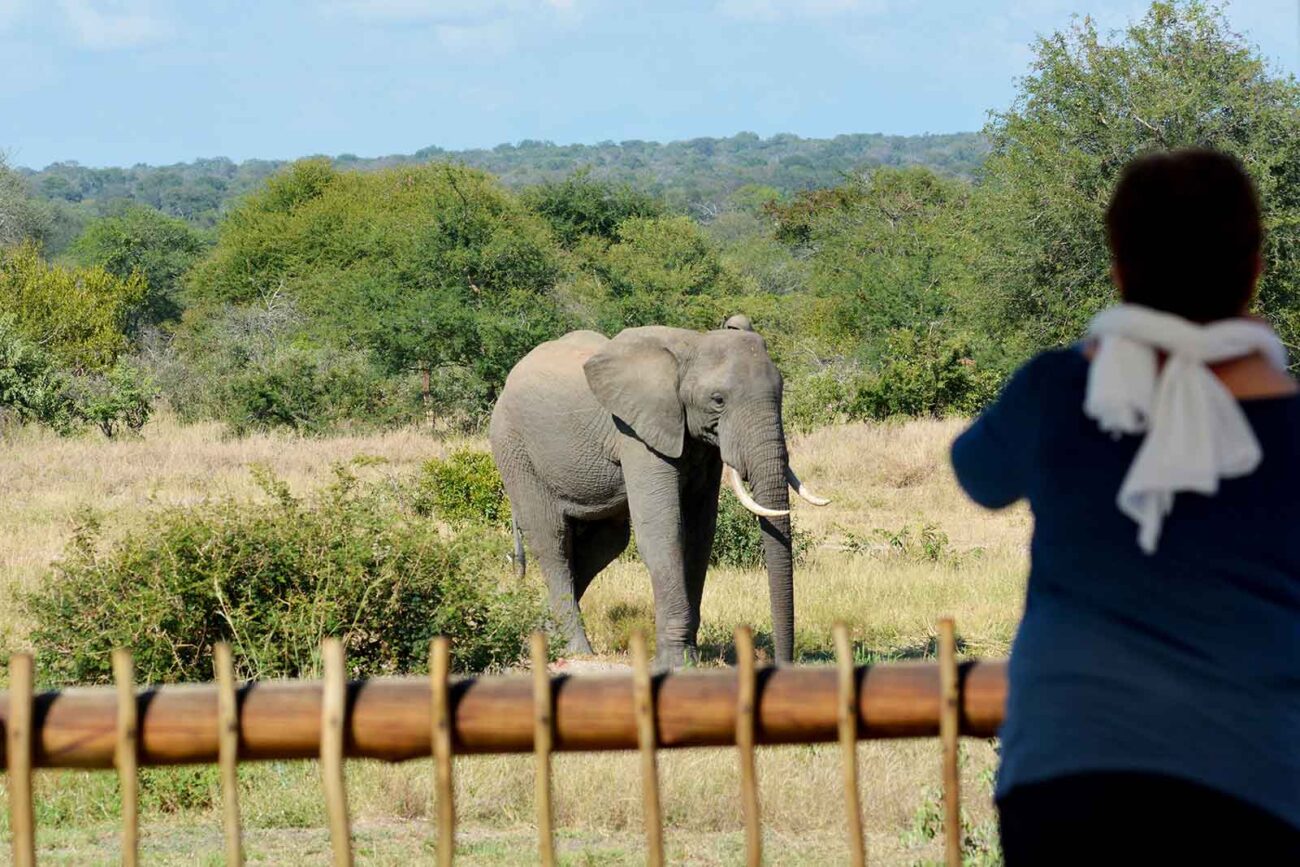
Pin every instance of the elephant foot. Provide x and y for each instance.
(579, 646)
(681, 656)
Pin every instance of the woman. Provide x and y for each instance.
(1154, 706)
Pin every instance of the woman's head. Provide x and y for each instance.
(1184, 233)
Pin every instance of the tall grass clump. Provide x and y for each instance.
(274, 578)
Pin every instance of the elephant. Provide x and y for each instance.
(596, 438)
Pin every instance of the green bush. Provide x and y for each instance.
(245, 367)
(32, 388)
(464, 488)
(738, 541)
(818, 399)
(923, 373)
(274, 579)
(312, 392)
(460, 399)
(77, 315)
(420, 266)
(120, 399)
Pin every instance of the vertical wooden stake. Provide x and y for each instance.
(439, 678)
(228, 751)
(847, 715)
(543, 735)
(124, 755)
(949, 734)
(334, 698)
(643, 696)
(746, 712)
(22, 821)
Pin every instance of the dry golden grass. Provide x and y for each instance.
(880, 477)
(48, 480)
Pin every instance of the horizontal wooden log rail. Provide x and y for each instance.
(390, 718)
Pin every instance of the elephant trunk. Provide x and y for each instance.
(766, 467)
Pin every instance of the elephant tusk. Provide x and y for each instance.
(732, 478)
(802, 490)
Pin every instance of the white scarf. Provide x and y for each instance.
(1196, 432)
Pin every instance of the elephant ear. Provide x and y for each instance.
(635, 378)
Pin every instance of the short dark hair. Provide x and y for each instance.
(1184, 231)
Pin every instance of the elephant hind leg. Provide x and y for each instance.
(550, 538)
(596, 544)
(553, 549)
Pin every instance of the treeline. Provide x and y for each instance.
(331, 297)
(695, 176)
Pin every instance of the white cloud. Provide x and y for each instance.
(774, 10)
(111, 24)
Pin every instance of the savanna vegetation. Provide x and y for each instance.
(245, 403)
(335, 294)
(182, 506)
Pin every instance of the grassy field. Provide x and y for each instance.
(899, 548)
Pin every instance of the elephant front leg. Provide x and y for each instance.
(700, 521)
(654, 500)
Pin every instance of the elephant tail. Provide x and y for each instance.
(521, 559)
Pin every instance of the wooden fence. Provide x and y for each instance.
(405, 718)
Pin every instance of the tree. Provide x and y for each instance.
(878, 255)
(743, 233)
(663, 271)
(32, 388)
(78, 316)
(139, 239)
(22, 218)
(580, 206)
(1178, 77)
(424, 267)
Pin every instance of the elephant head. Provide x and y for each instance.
(719, 388)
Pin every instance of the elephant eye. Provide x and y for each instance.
(718, 400)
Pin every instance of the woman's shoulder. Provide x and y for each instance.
(1063, 358)
(1053, 369)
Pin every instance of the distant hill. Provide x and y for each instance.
(698, 174)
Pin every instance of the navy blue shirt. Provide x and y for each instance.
(1185, 662)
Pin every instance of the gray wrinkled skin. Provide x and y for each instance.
(597, 438)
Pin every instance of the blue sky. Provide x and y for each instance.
(116, 82)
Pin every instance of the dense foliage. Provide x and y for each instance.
(274, 580)
(463, 489)
(696, 175)
(32, 387)
(77, 315)
(423, 268)
(1179, 77)
(140, 240)
(22, 216)
(889, 276)
(63, 345)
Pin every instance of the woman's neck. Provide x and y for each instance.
(1251, 376)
